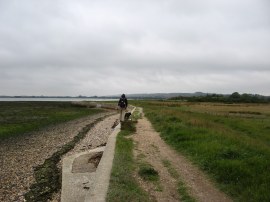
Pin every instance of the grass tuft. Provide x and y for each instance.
(147, 172)
(182, 189)
(128, 126)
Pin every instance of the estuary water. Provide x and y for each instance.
(54, 99)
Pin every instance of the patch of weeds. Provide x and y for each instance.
(47, 175)
(128, 126)
(147, 172)
(47, 178)
(136, 115)
(171, 170)
(182, 190)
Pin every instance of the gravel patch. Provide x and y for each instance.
(96, 137)
(18, 156)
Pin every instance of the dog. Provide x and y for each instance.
(127, 115)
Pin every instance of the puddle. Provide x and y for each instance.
(86, 162)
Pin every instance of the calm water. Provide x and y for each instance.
(55, 99)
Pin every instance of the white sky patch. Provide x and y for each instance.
(106, 47)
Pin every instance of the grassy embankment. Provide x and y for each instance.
(123, 186)
(230, 142)
(17, 118)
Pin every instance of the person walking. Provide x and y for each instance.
(122, 103)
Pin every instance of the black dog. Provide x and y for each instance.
(127, 115)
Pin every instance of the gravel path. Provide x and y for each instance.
(18, 156)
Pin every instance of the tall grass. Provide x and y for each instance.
(233, 150)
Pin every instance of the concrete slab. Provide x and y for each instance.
(103, 172)
(79, 180)
(77, 177)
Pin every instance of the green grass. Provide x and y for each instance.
(147, 172)
(184, 195)
(234, 150)
(171, 169)
(18, 118)
(136, 115)
(123, 186)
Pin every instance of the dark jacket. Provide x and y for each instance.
(123, 99)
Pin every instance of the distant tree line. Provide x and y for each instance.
(233, 98)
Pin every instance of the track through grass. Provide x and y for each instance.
(123, 186)
(234, 150)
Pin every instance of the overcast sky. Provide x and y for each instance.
(106, 47)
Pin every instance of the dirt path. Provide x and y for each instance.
(155, 150)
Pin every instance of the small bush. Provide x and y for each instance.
(128, 126)
(147, 172)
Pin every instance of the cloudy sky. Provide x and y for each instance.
(105, 47)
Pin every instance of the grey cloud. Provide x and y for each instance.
(151, 46)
